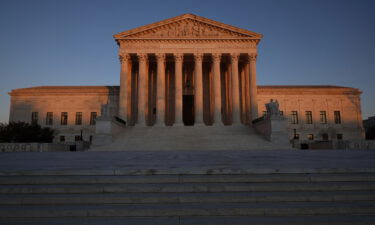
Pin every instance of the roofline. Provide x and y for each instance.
(186, 16)
(310, 88)
(115, 89)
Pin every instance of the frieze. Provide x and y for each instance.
(150, 45)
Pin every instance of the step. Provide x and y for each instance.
(141, 198)
(222, 220)
(191, 187)
(166, 210)
(186, 178)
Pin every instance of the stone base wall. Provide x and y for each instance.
(44, 147)
(342, 144)
(33, 147)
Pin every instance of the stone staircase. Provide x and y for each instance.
(201, 199)
(189, 138)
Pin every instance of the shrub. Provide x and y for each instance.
(24, 132)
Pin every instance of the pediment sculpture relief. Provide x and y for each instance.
(186, 29)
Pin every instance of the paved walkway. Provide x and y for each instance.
(184, 162)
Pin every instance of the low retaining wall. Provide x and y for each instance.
(355, 144)
(33, 147)
(344, 144)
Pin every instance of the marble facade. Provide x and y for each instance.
(187, 60)
(190, 71)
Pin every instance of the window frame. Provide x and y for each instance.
(294, 117)
(93, 116)
(309, 118)
(34, 117)
(49, 118)
(323, 117)
(64, 119)
(79, 118)
(337, 116)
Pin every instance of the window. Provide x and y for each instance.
(78, 118)
(310, 137)
(337, 117)
(325, 137)
(49, 118)
(309, 117)
(323, 117)
(64, 118)
(62, 138)
(339, 136)
(34, 118)
(281, 113)
(294, 119)
(295, 135)
(78, 138)
(93, 118)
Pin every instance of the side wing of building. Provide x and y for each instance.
(317, 112)
(314, 112)
(70, 110)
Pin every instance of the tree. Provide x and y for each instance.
(370, 133)
(24, 132)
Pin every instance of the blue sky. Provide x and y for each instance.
(70, 42)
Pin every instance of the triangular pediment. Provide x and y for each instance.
(187, 26)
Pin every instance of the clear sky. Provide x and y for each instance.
(70, 42)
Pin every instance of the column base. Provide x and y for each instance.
(140, 125)
(159, 125)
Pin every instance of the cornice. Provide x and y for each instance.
(307, 90)
(187, 40)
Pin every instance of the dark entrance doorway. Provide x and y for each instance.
(188, 110)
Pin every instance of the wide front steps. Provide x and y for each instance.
(236, 199)
(153, 138)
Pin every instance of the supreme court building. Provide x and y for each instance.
(188, 71)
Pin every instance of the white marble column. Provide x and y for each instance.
(124, 88)
(217, 120)
(179, 58)
(243, 94)
(236, 112)
(247, 92)
(142, 90)
(160, 88)
(253, 86)
(198, 89)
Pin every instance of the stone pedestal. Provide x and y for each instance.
(273, 128)
(106, 130)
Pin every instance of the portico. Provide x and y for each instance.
(188, 70)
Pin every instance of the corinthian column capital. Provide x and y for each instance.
(178, 57)
(124, 58)
(252, 57)
(234, 57)
(142, 57)
(216, 57)
(198, 57)
(160, 56)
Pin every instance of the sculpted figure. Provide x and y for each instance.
(273, 108)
